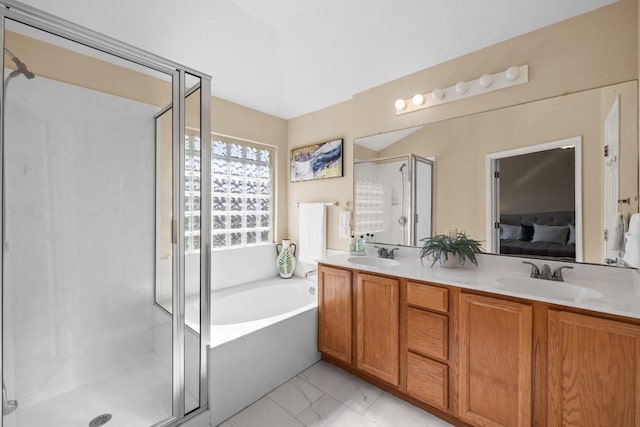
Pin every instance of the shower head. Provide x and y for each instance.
(404, 165)
(21, 67)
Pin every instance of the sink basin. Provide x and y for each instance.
(371, 261)
(548, 288)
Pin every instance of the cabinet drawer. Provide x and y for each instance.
(428, 380)
(427, 296)
(427, 333)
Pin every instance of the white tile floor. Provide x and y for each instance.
(324, 395)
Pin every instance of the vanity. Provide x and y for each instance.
(488, 346)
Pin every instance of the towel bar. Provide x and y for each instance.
(325, 203)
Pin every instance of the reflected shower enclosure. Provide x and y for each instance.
(91, 182)
(394, 199)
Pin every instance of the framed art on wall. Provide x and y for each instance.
(317, 161)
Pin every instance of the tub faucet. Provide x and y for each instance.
(309, 273)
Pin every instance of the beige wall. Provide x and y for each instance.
(592, 50)
(330, 123)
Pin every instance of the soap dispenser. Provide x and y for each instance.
(361, 244)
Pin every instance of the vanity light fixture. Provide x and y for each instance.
(485, 81)
(514, 75)
(462, 88)
(418, 99)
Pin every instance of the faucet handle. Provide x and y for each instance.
(535, 271)
(382, 252)
(557, 273)
(390, 252)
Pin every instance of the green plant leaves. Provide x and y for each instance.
(440, 246)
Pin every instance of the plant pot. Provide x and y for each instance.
(451, 261)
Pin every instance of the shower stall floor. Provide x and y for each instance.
(135, 397)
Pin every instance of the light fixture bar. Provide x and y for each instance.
(486, 83)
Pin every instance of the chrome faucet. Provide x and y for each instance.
(310, 272)
(545, 273)
(385, 253)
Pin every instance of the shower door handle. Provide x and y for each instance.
(8, 406)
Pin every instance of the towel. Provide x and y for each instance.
(615, 240)
(344, 229)
(632, 246)
(312, 228)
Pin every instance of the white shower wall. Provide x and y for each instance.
(388, 178)
(80, 248)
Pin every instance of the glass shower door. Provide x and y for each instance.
(83, 342)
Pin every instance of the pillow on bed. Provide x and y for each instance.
(572, 235)
(550, 233)
(510, 232)
(527, 232)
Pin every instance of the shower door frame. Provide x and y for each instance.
(24, 14)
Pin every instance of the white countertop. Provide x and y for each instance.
(617, 290)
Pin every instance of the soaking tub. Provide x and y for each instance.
(262, 334)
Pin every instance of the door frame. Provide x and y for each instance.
(492, 194)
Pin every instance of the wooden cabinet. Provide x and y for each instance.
(428, 380)
(335, 312)
(469, 357)
(593, 378)
(377, 324)
(495, 384)
(427, 344)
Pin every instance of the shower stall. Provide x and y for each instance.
(394, 198)
(95, 135)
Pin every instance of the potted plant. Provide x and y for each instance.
(450, 251)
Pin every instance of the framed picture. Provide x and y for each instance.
(317, 161)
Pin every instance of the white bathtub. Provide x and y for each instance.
(262, 334)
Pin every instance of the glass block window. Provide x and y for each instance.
(242, 194)
(370, 199)
(192, 194)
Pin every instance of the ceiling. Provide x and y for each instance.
(292, 57)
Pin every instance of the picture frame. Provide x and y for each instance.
(317, 161)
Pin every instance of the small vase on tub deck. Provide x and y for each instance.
(286, 261)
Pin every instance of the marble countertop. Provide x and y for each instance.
(591, 287)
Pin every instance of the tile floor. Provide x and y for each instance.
(326, 396)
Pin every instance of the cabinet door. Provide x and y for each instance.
(377, 324)
(593, 371)
(334, 312)
(495, 362)
(428, 380)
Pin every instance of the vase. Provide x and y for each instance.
(450, 262)
(286, 260)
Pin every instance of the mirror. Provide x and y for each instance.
(462, 149)
(394, 198)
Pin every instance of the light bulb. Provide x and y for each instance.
(462, 87)
(400, 104)
(485, 81)
(512, 73)
(417, 99)
(437, 94)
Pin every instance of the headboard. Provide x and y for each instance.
(542, 218)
